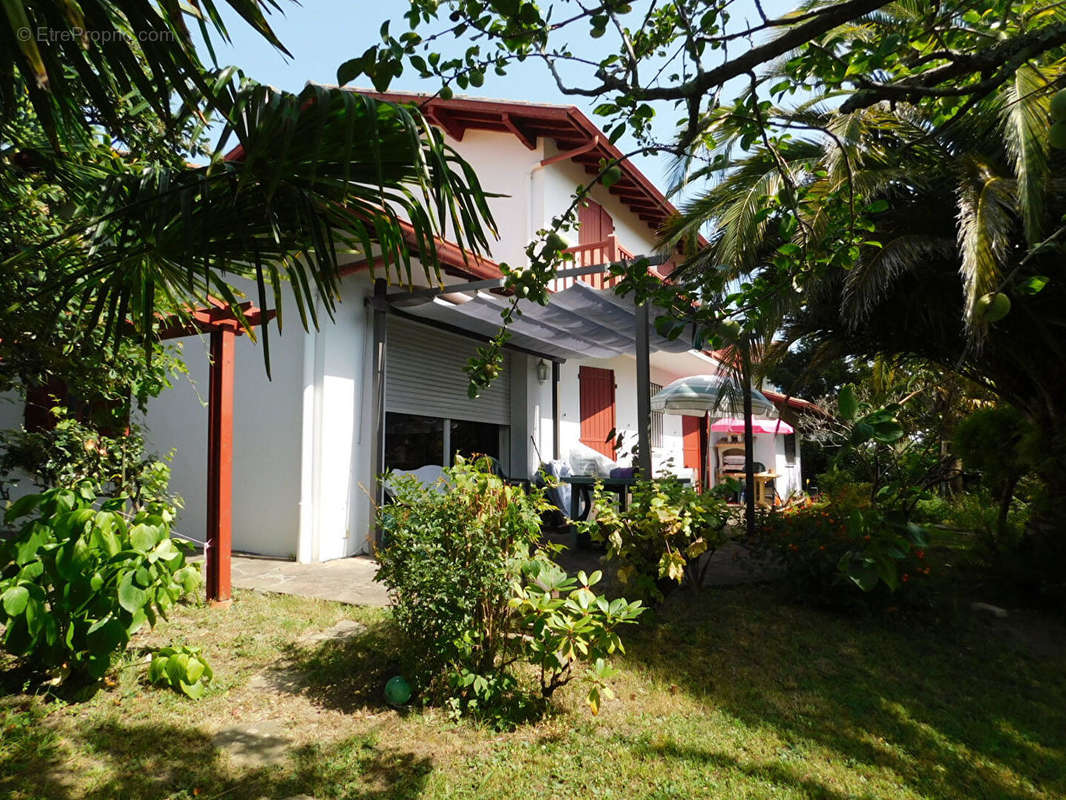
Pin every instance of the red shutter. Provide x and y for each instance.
(690, 430)
(596, 224)
(596, 387)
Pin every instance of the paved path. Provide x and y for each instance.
(346, 580)
(351, 580)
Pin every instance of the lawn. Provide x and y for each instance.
(731, 694)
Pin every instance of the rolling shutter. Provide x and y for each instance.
(425, 375)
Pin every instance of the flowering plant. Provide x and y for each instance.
(826, 549)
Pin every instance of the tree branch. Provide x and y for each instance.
(997, 61)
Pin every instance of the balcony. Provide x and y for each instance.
(587, 255)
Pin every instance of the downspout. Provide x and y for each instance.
(563, 156)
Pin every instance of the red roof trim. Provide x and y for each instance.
(451, 258)
(779, 399)
(566, 125)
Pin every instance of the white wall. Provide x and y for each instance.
(625, 377)
(534, 194)
(791, 479)
(503, 166)
(337, 430)
(266, 439)
(560, 182)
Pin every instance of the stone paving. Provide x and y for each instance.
(345, 580)
(351, 580)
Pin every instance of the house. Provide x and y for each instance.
(305, 442)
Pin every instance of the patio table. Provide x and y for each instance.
(581, 485)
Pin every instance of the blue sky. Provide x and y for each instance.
(322, 34)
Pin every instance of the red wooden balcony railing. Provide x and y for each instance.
(587, 255)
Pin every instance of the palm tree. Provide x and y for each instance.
(960, 208)
(310, 180)
(75, 62)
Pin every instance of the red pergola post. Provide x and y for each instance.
(220, 465)
(220, 322)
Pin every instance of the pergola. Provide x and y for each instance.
(579, 321)
(223, 326)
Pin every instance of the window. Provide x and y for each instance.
(656, 420)
(413, 441)
(790, 449)
(468, 438)
(596, 223)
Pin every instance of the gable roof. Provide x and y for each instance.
(567, 126)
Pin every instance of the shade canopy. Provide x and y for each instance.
(735, 425)
(578, 322)
(717, 395)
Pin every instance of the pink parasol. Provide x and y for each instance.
(734, 425)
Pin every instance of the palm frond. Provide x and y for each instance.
(871, 279)
(318, 179)
(1026, 117)
(986, 215)
(127, 46)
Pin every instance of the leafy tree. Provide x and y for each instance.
(951, 213)
(801, 371)
(684, 53)
(999, 442)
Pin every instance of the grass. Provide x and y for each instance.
(731, 694)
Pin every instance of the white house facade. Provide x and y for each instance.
(303, 442)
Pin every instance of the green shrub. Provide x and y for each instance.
(73, 452)
(841, 485)
(935, 509)
(836, 555)
(561, 621)
(183, 669)
(81, 576)
(658, 540)
(475, 595)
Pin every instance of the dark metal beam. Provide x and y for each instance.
(643, 393)
(556, 449)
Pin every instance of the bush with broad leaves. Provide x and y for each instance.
(81, 575)
(184, 669)
(658, 541)
(477, 596)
